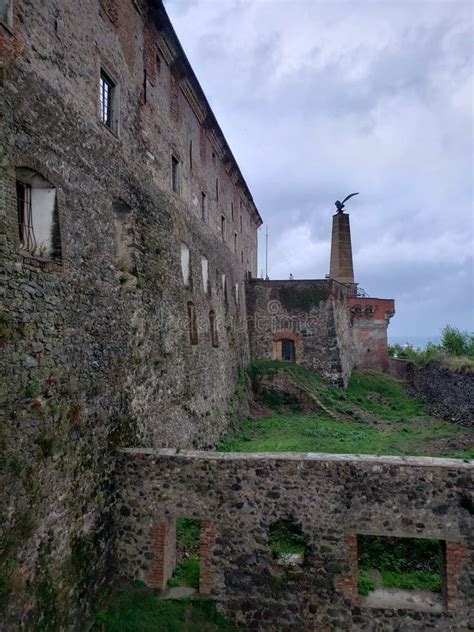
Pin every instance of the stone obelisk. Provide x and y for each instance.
(341, 268)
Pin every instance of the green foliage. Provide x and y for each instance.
(31, 390)
(285, 536)
(412, 580)
(384, 419)
(303, 298)
(406, 563)
(186, 573)
(278, 400)
(455, 344)
(364, 583)
(139, 609)
(188, 531)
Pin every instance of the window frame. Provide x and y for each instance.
(111, 122)
(175, 174)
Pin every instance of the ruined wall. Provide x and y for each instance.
(448, 393)
(313, 314)
(95, 343)
(332, 497)
(370, 318)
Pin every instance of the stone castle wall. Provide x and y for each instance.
(448, 393)
(95, 344)
(312, 314)
(333, 497)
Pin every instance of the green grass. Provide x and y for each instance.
(186, 573)
(138, 609)
(364, 584)
(377, 417)
(412, 580)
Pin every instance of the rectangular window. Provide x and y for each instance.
(6, 13)
(204, 209)
(235, 243)
(175, 174)
(223, 226)
(185, 263)
(107, 93)
(217, 190)
(205, 273)
(241, 223)
(412, 566)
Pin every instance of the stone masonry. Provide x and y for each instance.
(333, 498)
(155, 231)
(313, 315)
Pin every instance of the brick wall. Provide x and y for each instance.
(370, 318)
(333, 498)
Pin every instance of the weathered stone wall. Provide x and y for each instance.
(313, 314)
(332, 497)
(96, 351)
(370, 318)
(449, 393)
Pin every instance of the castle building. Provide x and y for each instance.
(128, 242)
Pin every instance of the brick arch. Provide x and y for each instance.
(286, 334)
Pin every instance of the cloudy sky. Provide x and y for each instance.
(321, 98)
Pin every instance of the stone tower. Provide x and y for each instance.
(341, 268)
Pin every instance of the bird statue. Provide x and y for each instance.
(340, 205)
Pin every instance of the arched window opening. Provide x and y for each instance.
(192, 323)
(213, 328)
(287, 542)
(38, 221)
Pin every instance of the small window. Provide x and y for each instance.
(204, 208)
(175, 174)
(185, 263)
(38, 222)
(192, 323)
(236, 291)
(213, 328)
(205, 273)
(217, 190)
(241, 256)
(414, 567)
(107, 98)
(241, 223)
(223, 226)
(287, 542)
(6, 13)
(235, 243)
(224, 287)
(191, 155)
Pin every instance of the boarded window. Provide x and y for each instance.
(38, 222)
(185, 263)
(205, 273)
(192, 323)
(213, 328)
(175, 174)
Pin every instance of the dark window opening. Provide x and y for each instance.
(213, 328)
(217, 190)
(223, 226)
(204, 208)
(287, 350)
(192, 323)
(235, 243)
(175, 174)
(107, 90)
(144, 86)
(191, 154)
(400, 572)
(241, 223)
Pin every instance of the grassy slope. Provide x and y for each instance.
(138, 609)
(377, 417)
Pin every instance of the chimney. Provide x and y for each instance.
(341, 268)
